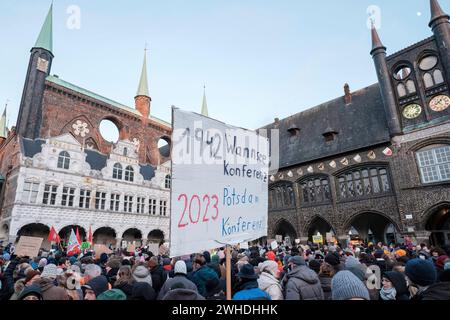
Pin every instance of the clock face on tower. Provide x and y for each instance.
(412, 111)
(440, 103)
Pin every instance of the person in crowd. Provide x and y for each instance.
(247, 288)
(179, 292)
(268, 280)
(301, 283)
(394, 286)
(326, 273)
(180, 276)
(95, 287)
(202, 273)
(157, 272)
(125, 280)
(422, 275)
(112, 294)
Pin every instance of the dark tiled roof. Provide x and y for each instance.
(360, 124)
(31, 147)
(147, 171)
(96, 160)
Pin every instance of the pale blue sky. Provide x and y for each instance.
(260, 59)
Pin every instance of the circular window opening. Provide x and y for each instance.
(428, 63)
(109, 131)
(402, 73)
(164, 147)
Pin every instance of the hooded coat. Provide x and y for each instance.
(183, 294)
(268, 283)
(50, 291)
(437, 291)
(200, 277)
(301, 283)
(179, 278)
(399, 283)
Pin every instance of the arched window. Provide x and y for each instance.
(64, 160)
(167, 182)
(315, 190)
(428, 80)
(282, 195)
(362, 182)
(434, 163)
(437, 75)
(117, 171)
(401, 90)
(129, 173)
(410, 86)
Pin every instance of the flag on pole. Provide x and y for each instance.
(78, 236)
(73, 246)
(53, 236)
(90, 240)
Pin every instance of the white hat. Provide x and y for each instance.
(180, 267)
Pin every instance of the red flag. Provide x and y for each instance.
(78, 237)
(90, 235)
(52, 236)
(58, 238)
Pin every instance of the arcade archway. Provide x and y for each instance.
(372, 227)
(438, 223)
(285, 229)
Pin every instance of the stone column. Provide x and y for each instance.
(118, 243)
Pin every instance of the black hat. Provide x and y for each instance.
(247, 272)
(213, 286)
(34, 289)
(332, 259)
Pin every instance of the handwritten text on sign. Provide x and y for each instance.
(219, 184)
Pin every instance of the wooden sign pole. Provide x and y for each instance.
(228, 269)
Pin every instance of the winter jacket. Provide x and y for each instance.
(111, 275)
(126, 287)
(179, 278)
(268, 283)
(50, 291)
(183, 294)
(302, 283)
(202, 275)
(251, 291)
(8, 280)
(159, 276)
(325, 283)
(437, 291)
(19, 285)
(143, 291)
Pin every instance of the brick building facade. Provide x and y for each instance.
(59, 170)
(374, 164)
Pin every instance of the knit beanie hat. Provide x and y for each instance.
(180, 267)
(269, 266)
(42, 263)
(50, 271)
(345, 286)
(113, 294)
(351, 262)
(332, 259)
(421, 272)
(314, 265)
(142, 274)
(297, 260)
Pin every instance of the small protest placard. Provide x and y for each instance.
(101, 248)
(28, 246)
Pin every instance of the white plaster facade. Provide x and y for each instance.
(42, 169)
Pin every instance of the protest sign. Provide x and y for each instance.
(28, 246)
(317, 239)
(101, 248)
(219, 184)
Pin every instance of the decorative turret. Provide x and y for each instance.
(142, 99)
(29, 119)
(378, 53)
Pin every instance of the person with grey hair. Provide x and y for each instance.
(91, 271)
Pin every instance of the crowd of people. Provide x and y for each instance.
(300, 272)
